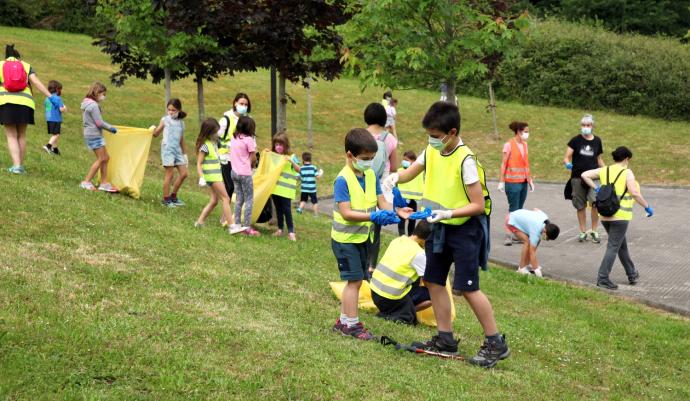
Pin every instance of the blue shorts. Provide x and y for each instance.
(95, 143)
(172, 156)
(352, 259)
(461, 247)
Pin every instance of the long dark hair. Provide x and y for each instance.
(245, 126)
(208, 128)
(242, 95)
(175, 102)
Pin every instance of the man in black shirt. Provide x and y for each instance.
(584, 153)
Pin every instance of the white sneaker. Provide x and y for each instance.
(537, 272)
(522, 270)
(236, 228)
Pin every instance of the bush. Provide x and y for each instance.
(571, 65)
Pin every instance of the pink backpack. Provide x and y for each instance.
(14, 76)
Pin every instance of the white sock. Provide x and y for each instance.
(351, 321)
(343, 318)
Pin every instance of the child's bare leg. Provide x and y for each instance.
(219, 189)
(95, 166)
(302, 204)
(350, 298)
(209, 207)
(315, 206)
(182, 174)
(103, 157)
(169, 171)
(482, 310)
(53, 141)
(441, 303)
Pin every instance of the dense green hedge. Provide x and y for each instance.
(571, 65)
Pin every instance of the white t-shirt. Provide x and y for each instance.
(419, 263)
(470, 175)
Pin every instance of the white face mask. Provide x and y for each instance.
(437, 143)
(586, 131)
(363, 165)
(525, 135)
(241, 109)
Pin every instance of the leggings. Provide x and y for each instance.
(283, 210)
(244, 190)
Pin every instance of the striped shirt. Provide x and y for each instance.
(308, 177)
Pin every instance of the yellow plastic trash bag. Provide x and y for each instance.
(129, 151)
(425, 317)
(265, 179)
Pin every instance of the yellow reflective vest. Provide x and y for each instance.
(395, 274)
(444, 187)
(413, 189)
(210, 166)
(361, 200)
(287, 181)
(625, 212)
(24, 97)
(226, 137)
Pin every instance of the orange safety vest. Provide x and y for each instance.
(517, 167)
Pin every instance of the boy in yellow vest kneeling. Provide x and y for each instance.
(357, 193)
(394, 284)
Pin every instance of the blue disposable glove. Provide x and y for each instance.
(596, 189)
(569, 166)
(113, 130)
(398, 200)
(649, 210)
(421, 215)
(384, 217)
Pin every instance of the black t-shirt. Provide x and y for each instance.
(585, 154)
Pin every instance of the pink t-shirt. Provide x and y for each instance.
(391, 146)
(241, 147)
(507, 148)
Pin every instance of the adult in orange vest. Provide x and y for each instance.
(515, 177)
(17, 107)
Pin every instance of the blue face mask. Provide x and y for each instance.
(586, 131)
(363, 165)
(437, 143)
(405, 164)
(241, 109)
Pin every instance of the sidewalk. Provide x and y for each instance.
(659, 246)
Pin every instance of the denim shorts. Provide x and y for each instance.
(172, 156)
(95, 143)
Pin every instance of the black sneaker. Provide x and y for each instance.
(490, 353)
(608, 284)
(632, 280)
(437, 344)
(56, 151)
(48, 148)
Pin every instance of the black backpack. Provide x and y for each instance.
(607, 202)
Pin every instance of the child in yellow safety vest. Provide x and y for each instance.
(411, 191)
(394, 284)
(455, 191)
(286, 187)
(208, 168)
(357, 193)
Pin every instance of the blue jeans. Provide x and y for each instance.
(516, 194)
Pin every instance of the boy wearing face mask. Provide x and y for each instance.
(584, 153)
(454, 189)
(515, 175)
(411, 191)
(357, 193)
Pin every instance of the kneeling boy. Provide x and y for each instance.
(395, 287)
(531, 226)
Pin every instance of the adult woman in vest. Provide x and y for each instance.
(515, 176)
(616, 226)
(241, 106)
(17, 110)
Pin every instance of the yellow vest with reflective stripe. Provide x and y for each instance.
(394, 275)
(24, 97)
(224, 140)
(355, 232)
(444, 187)
(625, 212)
(210, 166)
(287, 181)
(413, 189)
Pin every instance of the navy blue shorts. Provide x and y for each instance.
(306, 196)
(461, 247)
(352, 259)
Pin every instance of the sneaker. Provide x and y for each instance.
(177, 202)
(292, 237)
(582, 237)
(252, 232)
(632, 280)
(537, 272)
(48, 148)
(236, 228)
(595, 236)
(357, 331)
(198, 225)
(522, 270)
(14, 170)
(298, 210)
(437, 344)
(490, 353)
(56, 152)
(167, 203)
(508, 241)
(21, 170)
(278, 233)
(516, 240)
(337, 327)
(108, 188)
(608, 284)
(87, 185)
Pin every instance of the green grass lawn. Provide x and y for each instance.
(103, 297)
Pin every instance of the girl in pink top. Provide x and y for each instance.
(242, 159)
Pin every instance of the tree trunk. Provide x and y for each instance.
(310, 135)
(167, 86)
(200, 97)
(282, 104)
(492, 106)
(452, 97)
